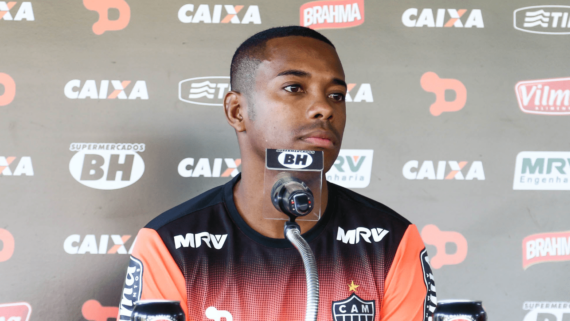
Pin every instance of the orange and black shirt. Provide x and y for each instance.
(372, 264)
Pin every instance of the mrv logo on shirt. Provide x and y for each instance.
(542, 171)
(196, 240)
(354, 236)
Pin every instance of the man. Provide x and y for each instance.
(221, 258)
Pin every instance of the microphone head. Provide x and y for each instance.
(292, 196)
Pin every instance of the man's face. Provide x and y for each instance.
(298, 98)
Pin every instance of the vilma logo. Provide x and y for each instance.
(431, 82)
(203, 14)
(332, 14)
(364, 93)
(92, 310)
(102, 7)
(106, 165)
(7, 241)
(352, 168)
(546, 247)
(89, 89)
(548, 20)
(545, 96)
(132, 289)
(25, 12)
(547, 311)
(19, 311)
(542, 171)
(204, 169)
(427, 19)
(207, 91)
(214, 314)
(89, 244)
(9, 88)
(432, 235)
(427, 170)
(295, 160)
(24, 166)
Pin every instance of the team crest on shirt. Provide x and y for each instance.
(354, 308)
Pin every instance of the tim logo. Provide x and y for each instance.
(206, 91)
(214, 314)
(427, 170)
(444, 18)
(7, 241)
(71, 245)
(332, 14)
(542, 171)
(430, 302)
(548, 20)
(25, 12)
(106, 165)
(295, 160)
(196, 240)
(547, 311)
(432, 235)
(92, 310)
(9, 88)
(206, 14)
(19, 311)
(352, 168)
(188, 168)
(132, 289)
(74, 90)
(546, 247)
(361, 233)
(23, 167)
(545, 96)
(103, 7)
(364, 93)
(354, 308)
(431, 83)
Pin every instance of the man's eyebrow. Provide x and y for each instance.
(340, 82)
(293, 72)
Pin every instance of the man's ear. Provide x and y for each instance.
(235, 110)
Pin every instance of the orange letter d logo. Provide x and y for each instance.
(102, 7)
(9, 89)
(433, 236)
(431, 82)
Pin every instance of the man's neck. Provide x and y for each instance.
(251, 203)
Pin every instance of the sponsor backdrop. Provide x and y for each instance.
(111, 114)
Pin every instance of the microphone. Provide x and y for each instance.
(292, 196)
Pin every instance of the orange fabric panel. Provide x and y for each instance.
(162, 278)
(405, 290)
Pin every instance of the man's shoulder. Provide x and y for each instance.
(197, 204)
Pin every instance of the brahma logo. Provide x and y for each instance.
(214, 314)
(186, 167)
(71, 245)
(204, 14)
(7, 241)
(196, 240)
(352, 168)
(9, 89)
(24, 166)
(132, 289)
(432, 235)
(547, 311)
(92, 310)
(361, 233)
(546, 247)
(427, 170)
(548, 20)
(431, 82)
(19, 311)
(102, 7)
(427, 19)
(207, 91)
(545, 96)
(25, 12)
(542, 171)
(364, 93)
(106, 165)
(332, 14)
(90, 90)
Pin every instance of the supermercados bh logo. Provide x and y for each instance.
(24, 11)
(207, 91)
(548, 20)
(205, 167)
(106, 89)
(546, 247)
(443, 18)
(542, 171)
(205, 13)
(332, 14)
(76, 244)
(545, 96)
(19, 311)
(106, 165)
(547, 311)
(352, 168)
(446, 170)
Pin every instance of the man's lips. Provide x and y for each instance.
(320, 139)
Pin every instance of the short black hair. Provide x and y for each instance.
(252, 52)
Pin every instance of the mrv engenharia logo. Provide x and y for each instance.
(106, 166)
(542, 171)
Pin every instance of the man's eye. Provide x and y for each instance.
(293, 89)
(337, 97)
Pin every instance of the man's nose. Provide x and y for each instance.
(321, 109)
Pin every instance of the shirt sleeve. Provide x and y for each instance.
(409, 287)
(152, 275)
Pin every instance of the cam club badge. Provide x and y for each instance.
(354, 308)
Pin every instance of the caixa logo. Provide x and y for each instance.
(24, 166)
(75, 244)
(352, 168)
(25, 12)
(106, 166)
(295, 159)
(188, 167)
(548, 20)
(207, 91)
(203, 13)
(363, 94)
(19, 311)
(90, 90)
(427, 170)
(443, 18)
